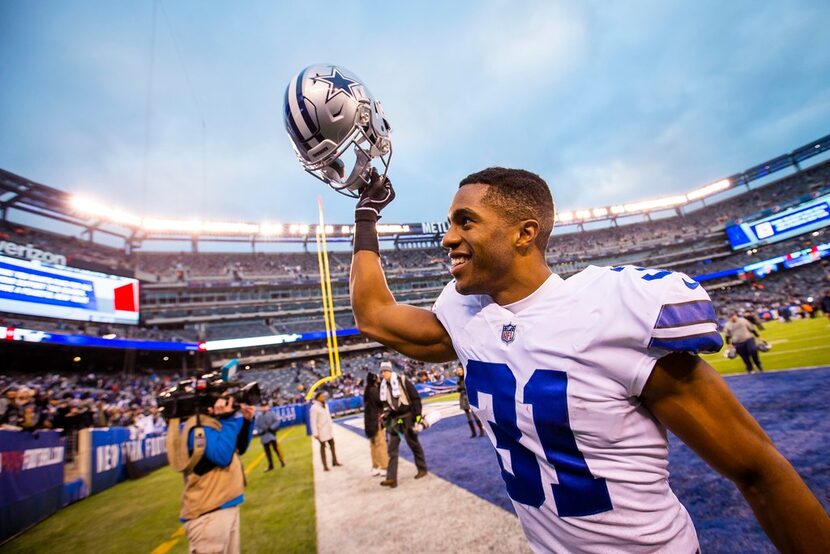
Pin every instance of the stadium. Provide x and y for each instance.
(104, 305)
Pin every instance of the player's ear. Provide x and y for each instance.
(528, 231)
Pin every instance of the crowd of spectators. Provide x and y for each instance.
(72, 402)
(786, 293)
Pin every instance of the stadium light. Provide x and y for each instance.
(89, 207)
(229, 228)
(270, 229)
(723, 184)
(659, 203)
(386, 228)
(172, 225)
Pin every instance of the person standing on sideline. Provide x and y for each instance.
(741, 333)
(207, 450)
(825, 303)
(321, 428)
(464, 404)
(266, 426)
(372, 410)
(402, 410)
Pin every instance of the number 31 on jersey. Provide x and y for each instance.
(578, 492)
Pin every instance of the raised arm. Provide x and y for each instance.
(412, 331)
(692, 400)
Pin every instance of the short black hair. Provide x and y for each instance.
(517, 194)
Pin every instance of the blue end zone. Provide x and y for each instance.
(469, 463)
(791, 406)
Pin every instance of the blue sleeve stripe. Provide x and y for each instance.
(705, 342)
(685, 313)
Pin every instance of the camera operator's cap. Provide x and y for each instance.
(386, 366)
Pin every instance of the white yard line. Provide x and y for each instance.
(356, 515)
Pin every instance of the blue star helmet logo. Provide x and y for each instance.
(337, 83)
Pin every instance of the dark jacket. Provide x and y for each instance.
(463, 399)
(411, 392)
(372, 409)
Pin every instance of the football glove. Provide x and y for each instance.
(374, 196)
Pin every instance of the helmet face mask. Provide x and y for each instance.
(336, 127)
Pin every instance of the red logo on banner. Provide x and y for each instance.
(12, 461)
(126, 298)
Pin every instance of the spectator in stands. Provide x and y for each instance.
(372, 411)
(6, 402)
(741, 333)
(266, 427)
(322, 428)
(402, 409)
(464, 404)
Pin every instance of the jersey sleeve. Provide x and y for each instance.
(686, 321)
(664, 312)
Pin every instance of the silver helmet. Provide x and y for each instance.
(331, 117)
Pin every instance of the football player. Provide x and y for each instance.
(578, 380)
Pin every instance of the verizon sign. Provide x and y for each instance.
(30, 252)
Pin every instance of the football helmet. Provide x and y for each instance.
(331, 117)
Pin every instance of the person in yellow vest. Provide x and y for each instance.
(207, 449)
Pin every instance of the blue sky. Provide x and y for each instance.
(608, 101)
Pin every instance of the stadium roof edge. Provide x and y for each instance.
(20, 193)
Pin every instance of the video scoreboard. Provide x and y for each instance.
(796, 220)
(30, 287)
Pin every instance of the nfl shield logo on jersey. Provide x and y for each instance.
(508, 333)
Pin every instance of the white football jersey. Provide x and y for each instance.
(556, 378)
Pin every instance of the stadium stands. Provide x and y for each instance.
(193, 296)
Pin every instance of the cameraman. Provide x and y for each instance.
(214, 477)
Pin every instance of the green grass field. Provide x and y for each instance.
(142, 516)
(278, 513)
(800, 343)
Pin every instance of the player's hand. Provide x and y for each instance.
(248, 411)
(374, 196)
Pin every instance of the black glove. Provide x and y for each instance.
(374, 196)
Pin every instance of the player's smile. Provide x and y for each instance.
(458, 263)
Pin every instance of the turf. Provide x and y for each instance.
(279, 514)
(142, 515)
(800, 343)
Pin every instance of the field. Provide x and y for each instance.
(142, 516)
(800, 343)
(279, 512)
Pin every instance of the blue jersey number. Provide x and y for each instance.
(578, 493)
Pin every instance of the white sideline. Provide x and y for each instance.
(356, 515)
